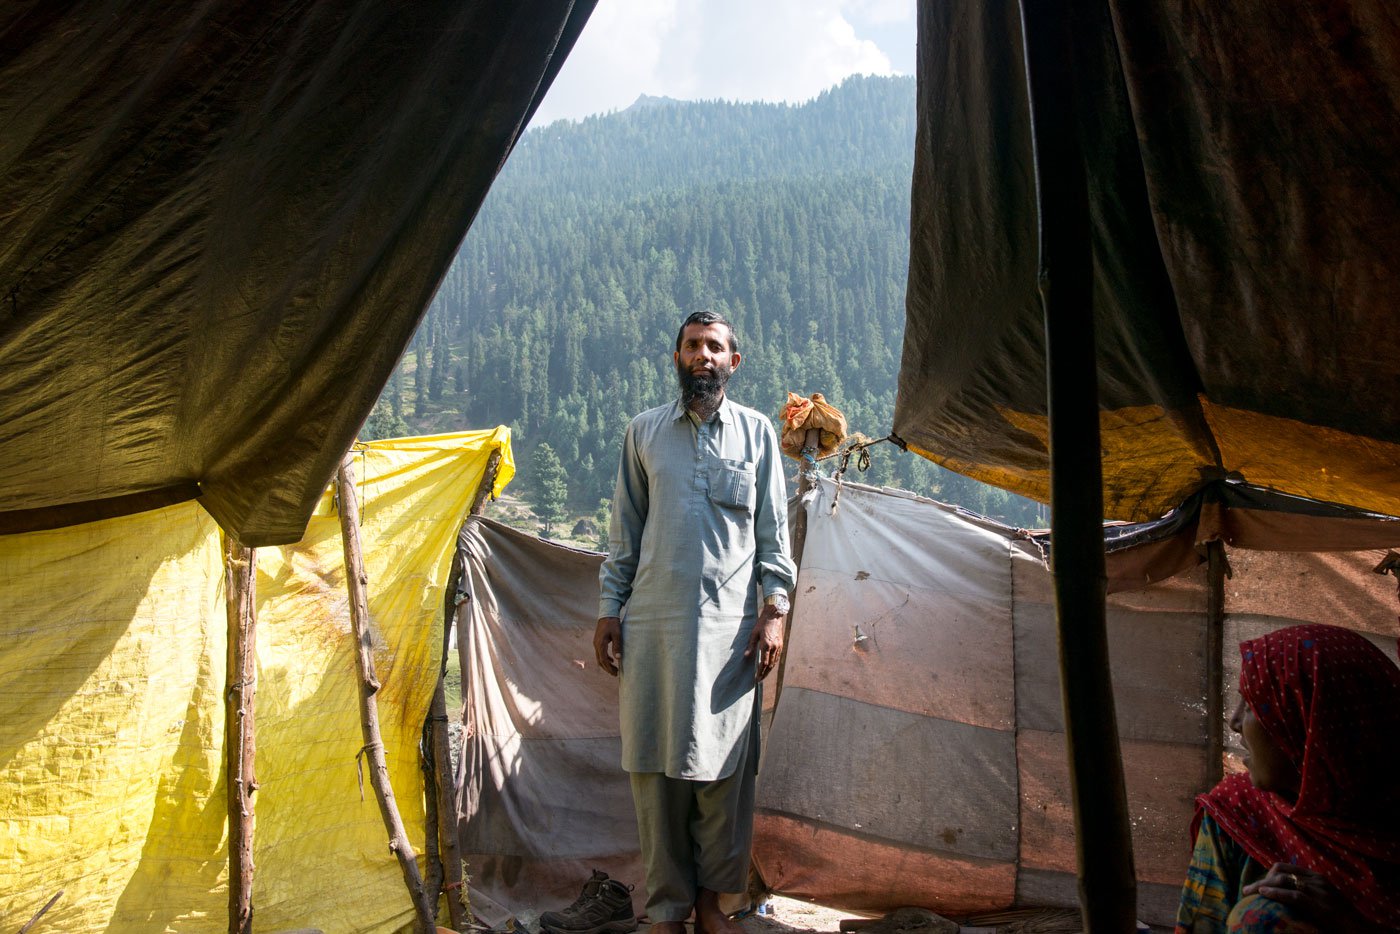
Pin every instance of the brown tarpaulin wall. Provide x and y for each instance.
(545, 800)
(916, 755)
(221, 224)
(1245, 203)
(917, 752)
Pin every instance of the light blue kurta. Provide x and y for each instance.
(699, 519)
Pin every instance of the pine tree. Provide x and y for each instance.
(395, 393)
(420, 378)
(437, 379)
(549, 488)
(603, 517)
(383, 423)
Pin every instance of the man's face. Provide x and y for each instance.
(704, 362)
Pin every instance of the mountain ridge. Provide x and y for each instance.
(558, 315)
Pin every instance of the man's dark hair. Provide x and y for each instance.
(708, 317)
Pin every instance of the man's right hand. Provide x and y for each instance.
(607, 644)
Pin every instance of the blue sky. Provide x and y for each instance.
(771, 50)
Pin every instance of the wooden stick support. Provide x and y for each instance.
(805, 481)
(432, 881)
(373, 749)
(811, 444)
(488, 482)
(240, 566)
(445, 788)
(1215, 662)
(448, 794)
(40, 913)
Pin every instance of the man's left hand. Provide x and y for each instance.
(766, 641)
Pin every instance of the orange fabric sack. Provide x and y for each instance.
(801, 413)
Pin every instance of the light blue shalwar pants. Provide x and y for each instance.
(695, 834)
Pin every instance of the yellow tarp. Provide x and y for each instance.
(112, 647)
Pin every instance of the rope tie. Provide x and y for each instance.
(240, 685)
(860, 447)
(359, 765)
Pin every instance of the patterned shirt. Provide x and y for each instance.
(1219, 869)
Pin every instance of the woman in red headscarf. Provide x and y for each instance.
(1309, 840)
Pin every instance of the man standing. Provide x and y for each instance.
(699, 524)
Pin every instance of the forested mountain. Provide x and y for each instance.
(559, 315)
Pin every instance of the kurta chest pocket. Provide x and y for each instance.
(732, 484)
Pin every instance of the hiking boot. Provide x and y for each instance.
(553, 919)
(604, 905)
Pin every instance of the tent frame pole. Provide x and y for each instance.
(1215, 662)
(1103, 838)
(449, 794)
(432, 858)
(444, 792)
(240, 576)
(356, 580)
(487, 484)
(806, 480)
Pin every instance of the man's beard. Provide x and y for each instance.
(703, 393)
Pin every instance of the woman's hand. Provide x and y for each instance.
(1311, 895)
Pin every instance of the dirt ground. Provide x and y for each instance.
(789, 914)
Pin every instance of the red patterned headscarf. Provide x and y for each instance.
(1330, 700)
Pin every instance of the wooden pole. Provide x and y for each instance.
(449, 795)
(432, 881)
(40, 913)
(445, 790)
(1103, 839)
(240, 565)
(488, 482)
(373, 749)
(442, 780)
(806, 479)
(1215, 662)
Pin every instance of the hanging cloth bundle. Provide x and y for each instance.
(801, 414)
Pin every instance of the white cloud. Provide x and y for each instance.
(773, 50)
(619, 53)
(882, 11)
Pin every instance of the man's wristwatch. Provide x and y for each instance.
(778, 600)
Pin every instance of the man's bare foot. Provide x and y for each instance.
(708, 917)
(667, 927)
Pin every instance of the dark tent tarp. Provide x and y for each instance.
(1243, 165)
(1237, 515)
(221, 224)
